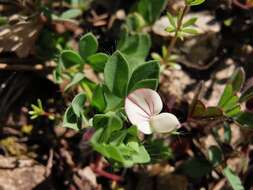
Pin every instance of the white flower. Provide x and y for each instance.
(143, 107)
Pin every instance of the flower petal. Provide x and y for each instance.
(164, 123)
(137, 116)
(144, 127)
(140, 105)
(146, 99)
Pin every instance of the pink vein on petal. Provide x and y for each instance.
(132, 100)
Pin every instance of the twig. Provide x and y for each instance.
(195, 99)
(49, 163)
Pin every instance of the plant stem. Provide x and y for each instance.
(88, 91)
(179, 24)
(108, 175)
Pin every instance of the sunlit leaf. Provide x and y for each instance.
(192, 31)
(227, 94)
(172, 20)
(233, 179)
(194, 2)
(231, 103)
(71, 13)
(190, 22)
(233, 112)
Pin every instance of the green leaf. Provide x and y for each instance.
(134, 145)
(191, 31)
(194, 2)
(158, 150)
(237, 79)
(199, 109)
(78, 77)
(98, 98)
(98, 61)
(151, 9)
(78, 104)
(112, 102)
(150, 70)
(213, 112)
(247, 95)
(100, 121)
(156, 56)
(110, 123)
(196, 168)
(114, 153)
(69, 58)
(141, 156)
(70, 120)
(170, 29)
(57, 74)
(233, 112)
(135, 22)
(227, 94)
(215, 155)
(135, 48)
(118, 137)
(116, 74)
(231, 103)
(3, 20)
(233, 179)
(114, 124)
(245, 119)
(146, 83)
(190, 22)
(172, 20)
(227, 133)
(122, 144)
(88, 45)
(201, 112)
(71, 13)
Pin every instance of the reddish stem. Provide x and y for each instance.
(108, 175)
(241, 5)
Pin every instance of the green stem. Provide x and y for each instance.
(179, 24)
(88, 91)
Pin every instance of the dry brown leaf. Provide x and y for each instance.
(19, 37)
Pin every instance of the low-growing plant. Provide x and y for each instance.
(101, 105)
(123, 106)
